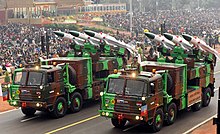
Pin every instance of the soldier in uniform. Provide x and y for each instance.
(135, 63)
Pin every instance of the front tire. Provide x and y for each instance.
(118, 123)
(206, 97)
(76, 102)
(28, 111)
(158, 120)
(60, 108)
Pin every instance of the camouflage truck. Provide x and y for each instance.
(156, 94)
(62, 83)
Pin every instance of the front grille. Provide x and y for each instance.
(127, 108)
(26, 98)
(29, 97)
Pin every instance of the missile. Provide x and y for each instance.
(110, 40)
(64, 35)
(91, 40)
(178, 40)
(160, 38)
(198, 42)
(193, 40)
(100, 36)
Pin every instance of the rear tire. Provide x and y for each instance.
(60, 108)
(206, 97)
(158, 120)
(76, 102)
(196, 107)
(117, 123)
(28, 111)
(172, 112)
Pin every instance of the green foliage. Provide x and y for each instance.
(62, 26)
(97, 29)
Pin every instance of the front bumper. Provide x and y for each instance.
(34, 104)
(128, 116)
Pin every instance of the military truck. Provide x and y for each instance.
(62, 83)
(175, 80)
(155, 97)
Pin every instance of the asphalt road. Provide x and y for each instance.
(87, 121)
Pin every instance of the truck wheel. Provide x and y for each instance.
(158, 120)
(117, 123)
(196, 107)
(76, 102)
(60, 107)
(28, 111)
(206, 97)
(172, 111)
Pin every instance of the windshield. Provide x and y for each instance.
(34, 78)
(17, 78)
(116, 86)
(23, 78)
(134, 87)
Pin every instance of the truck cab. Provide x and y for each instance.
(41, 89)
(132, 97)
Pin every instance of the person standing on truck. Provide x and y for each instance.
(135, 63)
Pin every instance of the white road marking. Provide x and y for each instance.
(216, 89)
(216, 72)
(8, 111)
(28, 119)
(198, 125)
(131, 127)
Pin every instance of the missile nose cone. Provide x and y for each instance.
(58, 33)
(74, 33)
(187, 37)
(168, 36)
(90, 33)
(150, 35)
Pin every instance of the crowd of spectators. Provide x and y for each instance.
(19, 43)
(194, 22)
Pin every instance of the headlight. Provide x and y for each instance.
(41, 87)
(137, 117)
(103, 113)
(101, 93)
(9, 85)
(37, 104)
(14, 103)
(143, 98)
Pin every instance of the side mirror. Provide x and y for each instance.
(152, 88)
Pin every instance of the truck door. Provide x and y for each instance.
(52, 87)
(154, 96)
